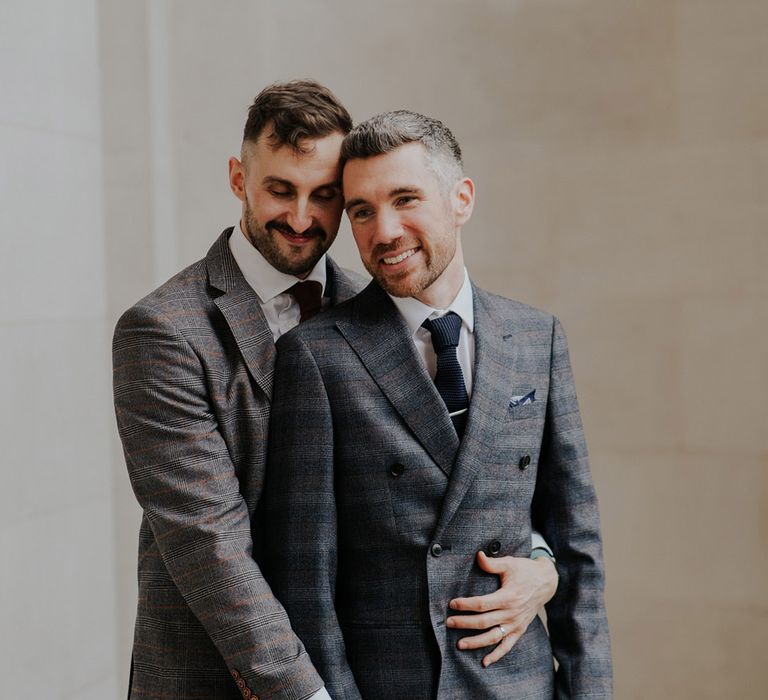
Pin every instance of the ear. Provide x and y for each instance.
(237, 178)
(463, 200)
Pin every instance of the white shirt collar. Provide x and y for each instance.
(415, 312)
(266, 281)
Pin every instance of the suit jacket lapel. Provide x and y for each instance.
(379, 336)
(240, 306)
(338, 287)
(495, 350)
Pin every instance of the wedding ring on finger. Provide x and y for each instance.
(504, 632)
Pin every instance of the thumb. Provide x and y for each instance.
(491, 565)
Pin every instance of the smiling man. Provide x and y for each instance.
(193, 365)
(418, 424)
(193, 373)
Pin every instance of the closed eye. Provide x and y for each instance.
(327, 194)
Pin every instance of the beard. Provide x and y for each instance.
(409, 283)
(278, 252)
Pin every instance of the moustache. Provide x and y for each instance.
(312, 231)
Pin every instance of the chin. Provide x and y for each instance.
(399, 288)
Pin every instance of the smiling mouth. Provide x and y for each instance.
(399, 258)
(298, 236)
(293, 236)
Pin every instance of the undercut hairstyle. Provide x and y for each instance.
(294, 111)
(390, 130)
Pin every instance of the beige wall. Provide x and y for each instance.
(620, 150)
(57, 579)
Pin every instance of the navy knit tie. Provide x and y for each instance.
(449, 378)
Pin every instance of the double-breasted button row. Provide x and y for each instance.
(524, 462)
(397, 469)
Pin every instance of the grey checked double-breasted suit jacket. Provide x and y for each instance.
(193, 372)
(375, 511)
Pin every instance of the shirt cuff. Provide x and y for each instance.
(321, 694)
(538, 542)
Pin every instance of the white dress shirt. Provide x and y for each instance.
(280, 308)
(415, 313)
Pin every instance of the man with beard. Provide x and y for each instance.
(420, 422)
(193, 372)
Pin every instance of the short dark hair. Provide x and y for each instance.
(295, 110)
(390, 130)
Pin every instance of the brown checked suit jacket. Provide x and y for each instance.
(193, 368)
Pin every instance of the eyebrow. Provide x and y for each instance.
(354, 203)
(407, 189)
(272, 180)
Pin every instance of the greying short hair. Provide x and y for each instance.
(390, 130)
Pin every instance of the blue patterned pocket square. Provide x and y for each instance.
(530, 397)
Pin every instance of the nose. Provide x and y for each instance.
(388, 227)
(300, 216)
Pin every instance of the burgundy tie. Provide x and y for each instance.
(309, 296)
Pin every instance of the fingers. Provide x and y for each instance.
(480, 621)
(504, 567)
(490, 637)
(492, 565)
(525, 585)
(480, 603)
(501, 649)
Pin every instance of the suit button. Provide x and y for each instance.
(525, 461)
(494, 548)
(436, 549)
(396, 469)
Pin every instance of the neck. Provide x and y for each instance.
(444, 289)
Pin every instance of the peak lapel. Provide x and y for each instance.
(492, 376)
(340, 286)
(241, 309)
(380, 338)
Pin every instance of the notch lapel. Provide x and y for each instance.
(493, 374)
(241, 309)
(379, 336)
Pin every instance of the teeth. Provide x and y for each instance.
(400, 258)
